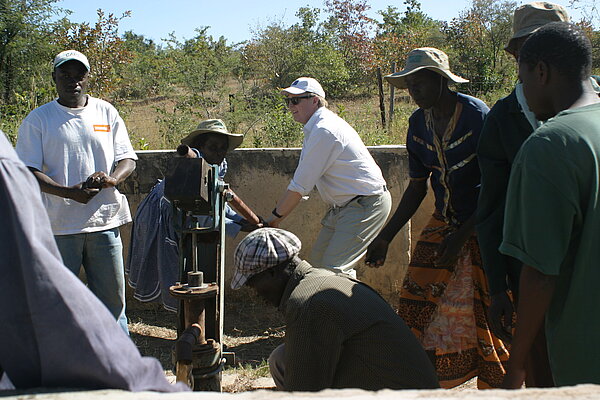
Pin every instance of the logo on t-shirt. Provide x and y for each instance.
(101, 128)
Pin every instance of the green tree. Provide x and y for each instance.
(475, 43)
(203, 62)
(399, 33)
(145, 75)
(26, 48)
(102, 45)
(25, 29)
(354, 29)
(277, 55)
(590, 23)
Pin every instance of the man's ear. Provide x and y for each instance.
(54, 76)
(542, 72)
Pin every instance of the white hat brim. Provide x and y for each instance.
(293, 90)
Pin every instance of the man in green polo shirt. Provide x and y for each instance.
(552, 217)
(506, 127)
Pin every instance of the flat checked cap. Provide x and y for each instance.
(261, 250)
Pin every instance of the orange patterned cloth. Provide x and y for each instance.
(446, 308)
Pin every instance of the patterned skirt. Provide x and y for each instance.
(446, 308)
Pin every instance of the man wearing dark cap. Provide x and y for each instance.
(339, 332)
(507, 126)
(78, 148)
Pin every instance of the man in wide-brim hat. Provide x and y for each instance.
(508, 125)
(439, 299)
(215, 126)
(428, 58)
(154, 253)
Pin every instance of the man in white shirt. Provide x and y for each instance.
(78, 148)
(336, 161)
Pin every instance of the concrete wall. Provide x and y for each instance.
(260, 176)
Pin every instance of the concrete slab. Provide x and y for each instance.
(567, 393)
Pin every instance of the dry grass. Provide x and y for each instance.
(247, 377)
(252, 330)
(141, 118)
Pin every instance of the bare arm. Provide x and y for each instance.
(450, 247)
(124, 168)
(285, 206)
(411, 200)
(536, 291)
(78, 192)
(84, 191)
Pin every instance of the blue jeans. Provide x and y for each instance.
(101, 255)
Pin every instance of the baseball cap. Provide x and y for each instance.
(530, 17)
(214, 126)
(424, 58)
(69, 55)
(305, 85)
(261, 250)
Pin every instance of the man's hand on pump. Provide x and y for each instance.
(249, 227)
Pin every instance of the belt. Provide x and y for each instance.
(358, 197)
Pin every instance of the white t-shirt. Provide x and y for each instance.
(336, 161)
(70, 144)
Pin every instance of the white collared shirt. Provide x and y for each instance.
(336, 161)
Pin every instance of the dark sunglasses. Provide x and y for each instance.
(296, 100)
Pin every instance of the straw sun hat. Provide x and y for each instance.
(214, 126)
(424, 58)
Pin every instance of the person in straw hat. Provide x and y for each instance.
(444, 294)
(507, 126)
(153, 263)
(340, 333)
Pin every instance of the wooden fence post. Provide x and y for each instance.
(381, 98)
(392, 94)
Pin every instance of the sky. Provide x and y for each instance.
(233, 19)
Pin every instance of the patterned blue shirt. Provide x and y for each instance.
(450, 161)
(153, 263)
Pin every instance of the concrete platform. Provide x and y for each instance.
(575, 392)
